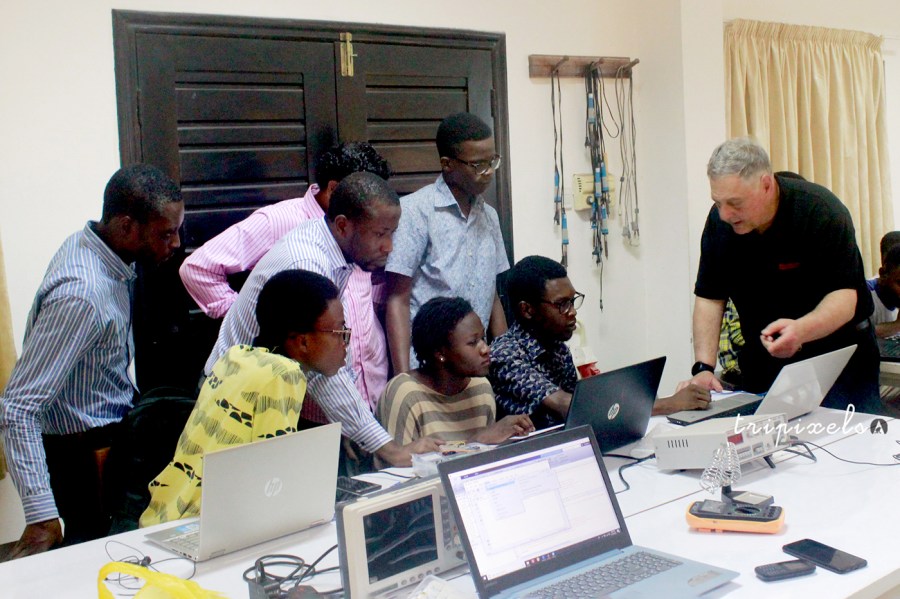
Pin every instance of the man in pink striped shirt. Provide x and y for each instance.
(238, 249)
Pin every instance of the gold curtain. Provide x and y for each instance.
(7, 347)
(815, 98)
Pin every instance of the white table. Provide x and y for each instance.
(850, 507)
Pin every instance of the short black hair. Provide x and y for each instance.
(291, 302)
(433, 324)
(457, 128)
(890, 240)
(528, 280)
(353, 157)
(892, 259)
(140, 191)
(356, 193)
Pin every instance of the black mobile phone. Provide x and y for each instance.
(829, 558)
(781, 570)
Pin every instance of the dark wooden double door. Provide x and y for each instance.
(237, 110)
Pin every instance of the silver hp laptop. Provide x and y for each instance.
(617, 404)
(798, 389)
(260, 491)
(539, 519)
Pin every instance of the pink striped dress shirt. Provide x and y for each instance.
(238, 248)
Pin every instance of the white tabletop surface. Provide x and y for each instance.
(851, 507)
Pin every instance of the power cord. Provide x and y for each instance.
(795, 442)
(624, 466)
(278, 586)
(139, 558)
(404, 476)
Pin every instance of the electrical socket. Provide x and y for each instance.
(583, 191)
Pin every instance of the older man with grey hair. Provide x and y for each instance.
(784, 250)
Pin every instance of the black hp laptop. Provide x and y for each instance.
(617, 404)
(539, 519)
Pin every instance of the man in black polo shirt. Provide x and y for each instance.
(784, 250)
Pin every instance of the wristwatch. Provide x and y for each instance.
(699, 367)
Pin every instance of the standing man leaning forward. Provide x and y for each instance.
(362, 216)
(785, 252)
(71, 387)
(238, 249)
(448, 243)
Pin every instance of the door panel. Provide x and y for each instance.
(398, 96)
(236, 110)
(236, 122)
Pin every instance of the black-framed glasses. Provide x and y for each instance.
(567, 304)
(482, 167)
(344, 333)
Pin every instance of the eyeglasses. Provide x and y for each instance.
(567, 304)
(482, 167)
(344, 333)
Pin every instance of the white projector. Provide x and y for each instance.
(693, 446)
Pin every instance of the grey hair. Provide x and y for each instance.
(742, 156)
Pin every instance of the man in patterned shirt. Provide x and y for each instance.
(71, 386)
(531, 367)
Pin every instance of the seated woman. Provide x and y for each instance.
(256, 392)
(447, 396)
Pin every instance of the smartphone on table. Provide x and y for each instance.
(827, 557)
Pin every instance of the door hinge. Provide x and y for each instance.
(347, 55)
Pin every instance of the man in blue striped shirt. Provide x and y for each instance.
(362, 216)
(71, 385)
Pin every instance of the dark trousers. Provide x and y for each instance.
(77, 465)
(858, 383)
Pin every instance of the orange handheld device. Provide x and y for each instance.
(717, 516)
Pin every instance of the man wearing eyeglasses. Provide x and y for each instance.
(531, 367)
(448, 242)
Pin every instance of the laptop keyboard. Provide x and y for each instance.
(608, 578)
(889, 348)
(187, 543)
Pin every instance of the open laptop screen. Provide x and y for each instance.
(546, 507)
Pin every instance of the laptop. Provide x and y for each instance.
(889, 349)
(538, 516)
(617, 404)
(260, 491)
(798, 389)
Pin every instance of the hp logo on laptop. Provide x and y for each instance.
(273, 487)
(613, 411)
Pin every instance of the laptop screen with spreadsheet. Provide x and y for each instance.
(546, 506)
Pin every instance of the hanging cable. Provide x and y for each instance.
(629, 208)
(559, 214)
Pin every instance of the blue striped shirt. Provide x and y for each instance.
(73, 372)
(446, 253)
(312, 247)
